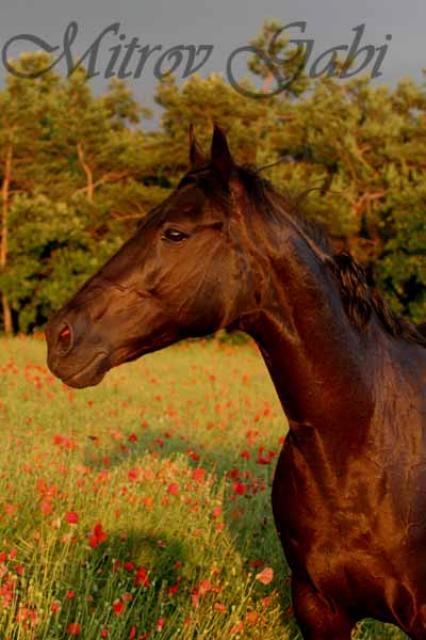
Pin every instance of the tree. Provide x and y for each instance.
(72, 173)
(23, 134)
(77, 171)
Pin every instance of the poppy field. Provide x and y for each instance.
(141, 508)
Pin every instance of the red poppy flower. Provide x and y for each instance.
(118, 607)
(173, 489)
(142, 578)
(266, 576)
(72, 517)
(198, 474)
(97, 536)
(240, 488)
(74, 629)
(55, 607)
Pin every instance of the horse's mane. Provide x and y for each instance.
(360, 299)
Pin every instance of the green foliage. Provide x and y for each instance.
(77, 170)
(402, 267)
(48, 261)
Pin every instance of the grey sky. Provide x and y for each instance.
(226, 24)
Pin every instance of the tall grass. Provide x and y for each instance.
(141, 508)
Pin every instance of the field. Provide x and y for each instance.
(141, 508)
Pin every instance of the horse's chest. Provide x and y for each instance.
(332, 520)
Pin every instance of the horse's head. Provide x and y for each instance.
(183, 274)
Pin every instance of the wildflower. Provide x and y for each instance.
(118, 607)
(127, 597)
(193, 455)
(203, 588)
(263, 458)
(74, 629)
(142, 578)
(97, 536)
(173, 489)
(46, 507)
(72, 517)
(252, 617)
(240, 488)
(198, 474)
(65, 443)
(133, 474)
(266, 576)
(55, 607)
(237, 628)
(26, 614)
(217, 512)
(10, 509)
(173, 589)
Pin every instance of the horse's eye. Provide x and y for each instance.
(174, 235)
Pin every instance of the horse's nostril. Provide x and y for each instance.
(65, 338)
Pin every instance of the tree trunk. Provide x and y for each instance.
(90, 187)
(5, 192)
(7, 315)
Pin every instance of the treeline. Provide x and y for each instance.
(77, 171)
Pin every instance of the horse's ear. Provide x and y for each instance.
(196, 157)
(221, 157)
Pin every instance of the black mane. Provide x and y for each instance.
(360, 300)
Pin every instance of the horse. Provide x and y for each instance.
(225, 250)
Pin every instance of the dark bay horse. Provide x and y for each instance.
(349, 493)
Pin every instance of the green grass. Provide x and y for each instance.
(161, 467)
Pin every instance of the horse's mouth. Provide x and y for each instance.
(89, 375)
(93, 372)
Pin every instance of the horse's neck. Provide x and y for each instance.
(317, 360)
